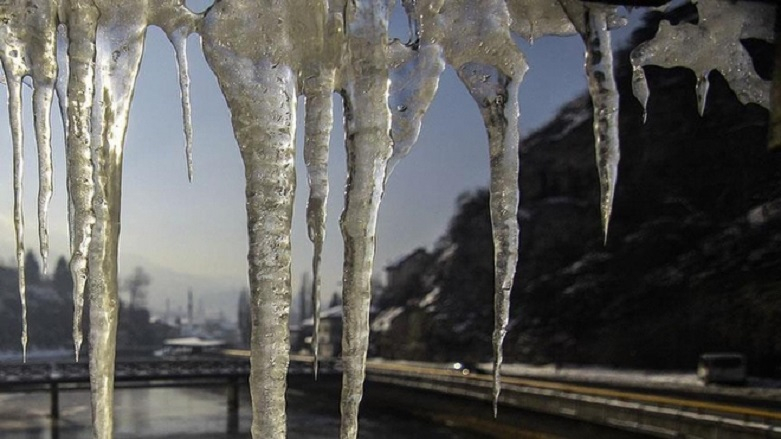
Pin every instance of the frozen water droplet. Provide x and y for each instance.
(703, 84)
(640, 89)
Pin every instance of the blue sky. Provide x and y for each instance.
(193, 235)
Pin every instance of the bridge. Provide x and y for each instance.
(55, 377)
(646, 411)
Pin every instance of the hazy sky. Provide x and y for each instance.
(194, 234)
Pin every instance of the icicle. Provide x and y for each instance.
(17, 136)
(367, 123)
(604, 95)
(82, 29)
(259, 86)
(318, 86)
(702, 92)
(179, 41)
(640, 89)
(42, 102)
(61, 88)
(43, 55)
(119, 46)
(319, 119)
(490, 65)
(497, 97)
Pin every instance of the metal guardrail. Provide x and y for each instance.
(656, 415)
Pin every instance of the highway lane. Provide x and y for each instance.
(729, 406)
(692, 401)
(733, 406)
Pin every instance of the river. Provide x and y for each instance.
(201, 413)
(191, 413)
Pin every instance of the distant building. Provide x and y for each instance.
(186, 346)
(411, 266)
(330, 334)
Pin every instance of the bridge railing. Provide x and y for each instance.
(134, 370)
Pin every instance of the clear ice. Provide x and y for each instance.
(265, 57)
(318, 85)
(604, 95)
(318, 90)
(14, 81)
(367, 122)
(717, 34)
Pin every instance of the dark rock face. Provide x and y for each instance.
(691, 264)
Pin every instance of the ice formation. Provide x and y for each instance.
(717, 38)
(265, 57)
(604, 95)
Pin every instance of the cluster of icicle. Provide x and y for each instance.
(267, 54)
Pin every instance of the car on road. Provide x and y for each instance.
(722, 368)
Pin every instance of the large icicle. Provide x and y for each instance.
(119, 46)
(82, 22)
(487, 61)
(604, 96)
(259, 85)
(497, 97)
(367, 122)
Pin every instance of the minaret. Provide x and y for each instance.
(190, 306)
